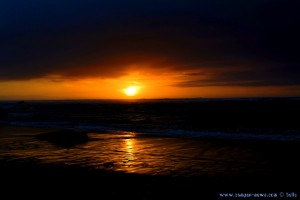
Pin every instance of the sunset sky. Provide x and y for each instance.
(92, 49)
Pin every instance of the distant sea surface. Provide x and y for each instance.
(252, 118)
(178, 137)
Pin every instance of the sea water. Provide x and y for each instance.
(174, 137)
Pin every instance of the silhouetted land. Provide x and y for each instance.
(65, 138)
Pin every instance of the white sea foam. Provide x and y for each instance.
(162, 132)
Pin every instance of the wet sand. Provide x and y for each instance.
(32, 180)
(36, 181)
(126, 165)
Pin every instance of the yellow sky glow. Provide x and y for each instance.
(131, 91)
(149, 86)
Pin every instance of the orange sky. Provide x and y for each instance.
(160, 84)
(168, 49)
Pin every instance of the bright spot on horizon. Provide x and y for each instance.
(131, 91)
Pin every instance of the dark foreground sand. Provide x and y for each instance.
(27, 179)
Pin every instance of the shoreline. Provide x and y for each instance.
(28, 176)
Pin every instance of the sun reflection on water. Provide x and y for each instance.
(129, 151)
(129, 146)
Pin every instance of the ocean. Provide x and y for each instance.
(249, 118)
(174, 137)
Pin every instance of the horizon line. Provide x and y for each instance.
(140, 99)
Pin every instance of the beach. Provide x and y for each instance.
(148, 100)
(146, 167)
(150, 149)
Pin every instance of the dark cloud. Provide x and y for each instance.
(245, 77)
(245, 43)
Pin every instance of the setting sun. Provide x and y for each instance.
(131, 91)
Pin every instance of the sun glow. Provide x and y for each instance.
(131, 91)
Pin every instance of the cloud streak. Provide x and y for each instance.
(252, 43)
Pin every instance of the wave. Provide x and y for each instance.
(160, 132)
